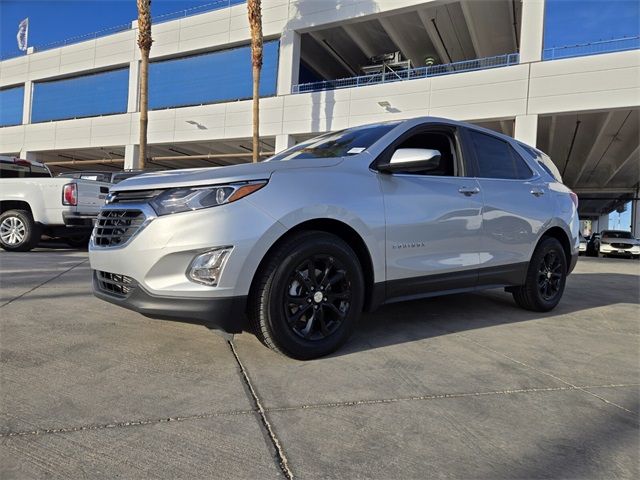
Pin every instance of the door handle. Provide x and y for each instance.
(537, 192)
(468, 191)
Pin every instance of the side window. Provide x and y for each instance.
(440, 141)
(496, 158)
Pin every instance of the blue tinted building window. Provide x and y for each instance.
(11, 101)
(210, 78)
(102, 93)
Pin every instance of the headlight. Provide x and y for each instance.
(185, 199)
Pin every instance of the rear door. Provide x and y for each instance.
(517, 207)
(433, 218)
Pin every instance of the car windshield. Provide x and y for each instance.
(337, 144)
(616, 234)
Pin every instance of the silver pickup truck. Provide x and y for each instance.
(33, 203)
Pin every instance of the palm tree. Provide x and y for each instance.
(144, 42)
(254, 8)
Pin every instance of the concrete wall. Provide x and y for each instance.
(522, 91)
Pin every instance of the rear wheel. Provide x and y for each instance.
(308, 296)
(546, 278)
(18, 231)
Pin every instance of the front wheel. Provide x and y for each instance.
(18, 231)
(546, 278)
(308, 296)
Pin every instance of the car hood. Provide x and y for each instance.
(217, 175)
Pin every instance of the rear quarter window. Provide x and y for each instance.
(497, 159)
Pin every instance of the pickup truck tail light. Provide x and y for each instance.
(70, 194)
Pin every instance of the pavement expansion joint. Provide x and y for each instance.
(44, 283)
(356, 403)
(281, 458)
(123, 424)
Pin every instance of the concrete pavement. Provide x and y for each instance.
(465, 386)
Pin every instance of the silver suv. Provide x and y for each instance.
(296, 247)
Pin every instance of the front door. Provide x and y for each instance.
(433, 222)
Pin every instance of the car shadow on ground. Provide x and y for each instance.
(415, 320)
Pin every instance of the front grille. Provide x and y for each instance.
(116, 227)
(134, 196)
(115, 284)
(621, 245)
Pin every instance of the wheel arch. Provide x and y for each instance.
(559, 234)
(345, 233)
(15, 205)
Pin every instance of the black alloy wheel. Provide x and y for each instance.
(546, 277)
(550, 276)
(317, 298)
(306, 298)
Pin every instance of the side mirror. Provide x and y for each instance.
(412, 160)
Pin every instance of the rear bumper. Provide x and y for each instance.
(220, 313)
(75, 219)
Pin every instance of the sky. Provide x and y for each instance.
(568, 22)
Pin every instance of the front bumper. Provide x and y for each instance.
(220, 313)
(608, 249)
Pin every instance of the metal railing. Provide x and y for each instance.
(592, 48)
(411, 74)
(208, 7)
(215, 5)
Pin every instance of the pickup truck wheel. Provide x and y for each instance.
(308, 296)
(18, 231)
(78, 241)
(546, 278)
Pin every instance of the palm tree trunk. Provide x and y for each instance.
(256, 113)
(144, 42)
(144, 105)
(254, 9)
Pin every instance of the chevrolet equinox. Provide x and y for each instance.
(296, 247)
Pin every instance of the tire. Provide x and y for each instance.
(78, 241)
(546, 278)
(307, 316)
(18, 231)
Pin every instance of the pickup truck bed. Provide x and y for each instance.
(31, 206)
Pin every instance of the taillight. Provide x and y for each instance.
(70, 194)
(574, 198)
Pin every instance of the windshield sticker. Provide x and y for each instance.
(356, 150)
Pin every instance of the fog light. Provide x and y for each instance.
(207, 267)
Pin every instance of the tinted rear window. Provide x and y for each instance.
(14, 170)
(496, 158)
(543, 160)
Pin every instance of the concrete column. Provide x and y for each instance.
(526, 129)
(288, 62)
(27, 102)
(531, 36)
(603, 222)
(134, 86)
(635, 216)
(283, 142)
(131, 157)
